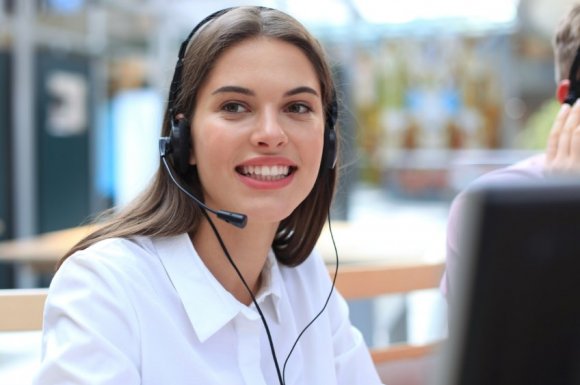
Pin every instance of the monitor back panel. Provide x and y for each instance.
(517, 318)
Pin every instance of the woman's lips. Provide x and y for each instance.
(267, 173)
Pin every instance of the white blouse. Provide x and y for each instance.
(148, 311)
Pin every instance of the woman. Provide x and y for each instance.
(165, 294)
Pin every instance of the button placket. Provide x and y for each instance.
(249, 355)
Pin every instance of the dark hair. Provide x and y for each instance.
(162, 209)
(566, 41)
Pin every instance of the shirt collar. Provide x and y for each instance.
(208, 305)
(272, 286)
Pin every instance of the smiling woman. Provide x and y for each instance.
(260, 107)
(250, 135)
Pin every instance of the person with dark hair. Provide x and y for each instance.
(210, 275)
(562, 155)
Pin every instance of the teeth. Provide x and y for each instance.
(266, 172)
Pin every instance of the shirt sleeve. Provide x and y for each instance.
(90, 328)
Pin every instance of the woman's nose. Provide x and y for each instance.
(269, 132)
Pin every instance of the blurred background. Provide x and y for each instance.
(434, 94)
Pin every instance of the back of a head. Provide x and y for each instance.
(566, 41)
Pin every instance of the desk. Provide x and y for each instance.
(373, 243)
(356, 244)
(44, 249)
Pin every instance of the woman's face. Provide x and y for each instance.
(258, 130)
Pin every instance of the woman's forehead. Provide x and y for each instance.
(264, 61)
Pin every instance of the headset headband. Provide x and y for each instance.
(176, 81)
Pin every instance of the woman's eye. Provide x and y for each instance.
(233, 107)
(299, 108)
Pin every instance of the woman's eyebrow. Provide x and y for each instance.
(299, 90)
(247, 91)
(236, 89)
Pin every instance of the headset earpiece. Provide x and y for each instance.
(180, 144)
(330, 149)
(330, 153)
(574, 89)
(177, 147)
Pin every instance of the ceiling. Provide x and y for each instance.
(317, 14)
(125, 23)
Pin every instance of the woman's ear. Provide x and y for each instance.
(562, 90)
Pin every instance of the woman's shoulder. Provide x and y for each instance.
(118, 249)
(113, 258)
(311, 264)
(129, 254)
(312, 272)
(113, 264)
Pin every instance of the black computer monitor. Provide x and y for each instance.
(515, 314)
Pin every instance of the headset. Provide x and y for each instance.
(177, 148)
(574, 90)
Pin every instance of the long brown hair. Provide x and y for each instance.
(162, 209)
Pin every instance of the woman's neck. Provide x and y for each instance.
(248, 248)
